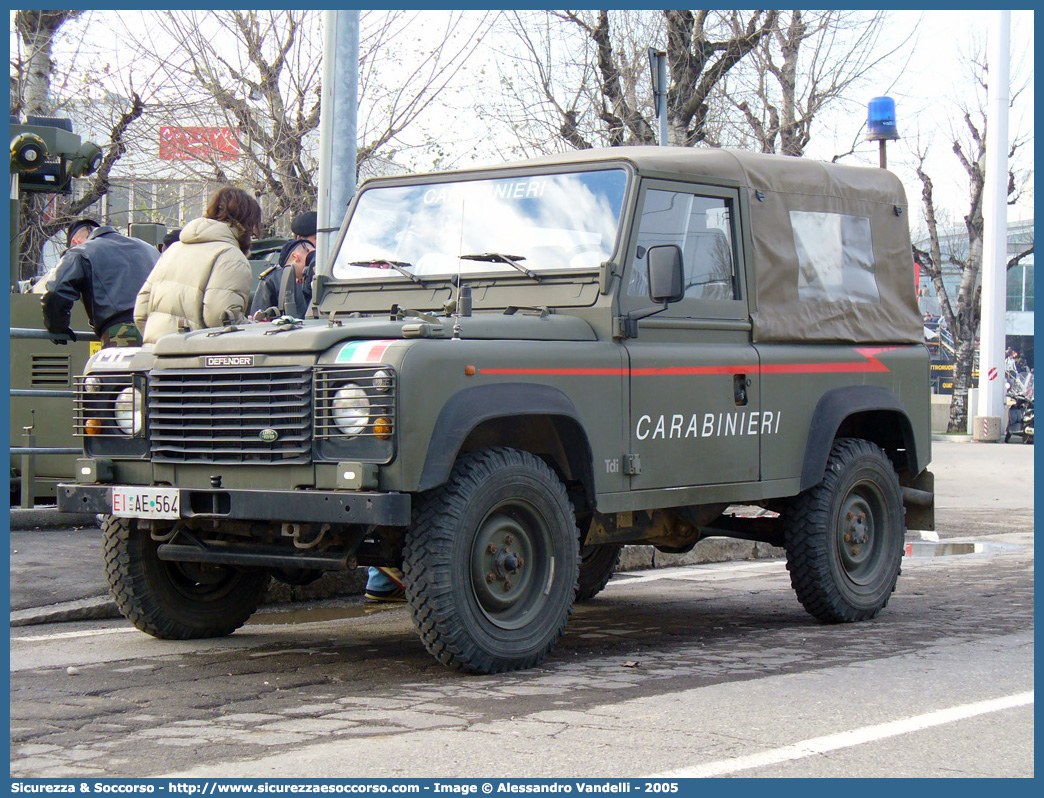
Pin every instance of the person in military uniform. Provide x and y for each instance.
(105, 269)
(287, 288)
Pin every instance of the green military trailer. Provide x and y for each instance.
(507, 374)
(42, 371)
(41, 374)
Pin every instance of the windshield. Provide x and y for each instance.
(517, 225)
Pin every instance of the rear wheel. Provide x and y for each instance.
(844, 537)
(597, 565)
(490, 565)
(175, 600)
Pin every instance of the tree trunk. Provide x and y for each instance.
(962, 376)
(38, 78)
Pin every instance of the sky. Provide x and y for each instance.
(930, 89)
(929, 86)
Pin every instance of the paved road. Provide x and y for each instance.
(691, 667)
(704, 670)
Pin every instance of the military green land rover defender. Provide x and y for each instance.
(507, 374)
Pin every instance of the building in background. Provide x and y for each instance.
(1018, 319)
(169, 172)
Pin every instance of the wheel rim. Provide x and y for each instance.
(512, 564)
(862, 533)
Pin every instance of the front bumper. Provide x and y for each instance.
(298, 506)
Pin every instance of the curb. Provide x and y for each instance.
(352, 583)
(92, 609)
(47, 517)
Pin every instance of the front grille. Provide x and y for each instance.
(213, 416)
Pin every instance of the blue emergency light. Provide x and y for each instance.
(880, 120)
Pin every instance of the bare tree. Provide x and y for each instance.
(580, 79)
(256, 75)
(809, 61)
(961, 312)
(42, 87)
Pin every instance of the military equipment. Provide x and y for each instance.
(509, 373)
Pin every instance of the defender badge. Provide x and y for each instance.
(268, 435)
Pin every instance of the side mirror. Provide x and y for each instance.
(666, 273)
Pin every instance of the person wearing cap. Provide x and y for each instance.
(304, 226)
(105, 269)
(287, 288)
(304, 229)
(170, 238)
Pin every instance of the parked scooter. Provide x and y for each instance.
(1020, 418)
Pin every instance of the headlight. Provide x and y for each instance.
(351, 409)
(92, 384)
(128, 411)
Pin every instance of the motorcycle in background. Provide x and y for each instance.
(1020, 409)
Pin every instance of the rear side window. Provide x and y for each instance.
(835, 257)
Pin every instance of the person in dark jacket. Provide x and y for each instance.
(304, 228)
(288, 288)
(105, 269)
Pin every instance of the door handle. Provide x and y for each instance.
(739, 389)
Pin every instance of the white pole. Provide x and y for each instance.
(337, 125)
(995, 234)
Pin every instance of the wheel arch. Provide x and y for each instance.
(864, 411)
(535, 418)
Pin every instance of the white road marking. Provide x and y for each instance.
(71, 635)
(848, 739)
(698, 572)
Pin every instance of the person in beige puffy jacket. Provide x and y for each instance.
(204, 278)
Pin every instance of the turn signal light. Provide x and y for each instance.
(93, 426)
(382, 427)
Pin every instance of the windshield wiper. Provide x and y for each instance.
(399, 265)
(510, 260)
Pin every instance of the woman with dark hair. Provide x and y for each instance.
(204, 278)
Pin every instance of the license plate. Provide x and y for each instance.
(146, 503)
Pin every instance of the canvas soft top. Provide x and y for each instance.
(793, 202)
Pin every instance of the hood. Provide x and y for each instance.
(318, 336)
(208, 230)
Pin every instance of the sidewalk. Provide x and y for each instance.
(58, 573)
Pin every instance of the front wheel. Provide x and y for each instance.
(844, 537)
(175, 600)
(490, 564)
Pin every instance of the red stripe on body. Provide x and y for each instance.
(871, 365)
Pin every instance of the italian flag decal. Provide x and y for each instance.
(364, 351)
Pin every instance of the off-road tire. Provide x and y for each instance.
(175, 601)
(840, 581)
(472, 611)
(598, 563)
